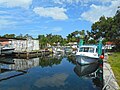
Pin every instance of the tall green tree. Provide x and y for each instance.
(9, 35)
(76, 35)
(42, 41)
(102, 28)
(108, 28)
(116, 29)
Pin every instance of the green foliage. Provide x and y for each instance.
(23, 36)
(53, 40)
(92, 41)
(76, 35)
(107, 28)
(102, 28)
(42, 41)
(9, 36)
(117, 30)
(18, 37)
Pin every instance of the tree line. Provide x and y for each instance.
(106, 27)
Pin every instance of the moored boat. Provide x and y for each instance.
(7, 49)
(88, 54)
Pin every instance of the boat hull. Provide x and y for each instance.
(83, 60)
(7, 51)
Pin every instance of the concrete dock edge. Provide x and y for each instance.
(110, 82)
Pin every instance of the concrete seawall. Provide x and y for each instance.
(110, 82)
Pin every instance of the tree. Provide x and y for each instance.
(9, 36)
(42, 41)
(76, 35)
(116, 29)
(102, 28)
(107, 28)
(19, 36)
(27, 36)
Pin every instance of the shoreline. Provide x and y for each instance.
(110, 82)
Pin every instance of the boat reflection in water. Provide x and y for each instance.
(82, 70)
(53, 72)
(90, 71)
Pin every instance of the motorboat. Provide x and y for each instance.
(7, 49)
(87, 54)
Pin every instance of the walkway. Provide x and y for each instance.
(110, 81)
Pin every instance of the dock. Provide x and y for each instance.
(110, 82)
(31, 53)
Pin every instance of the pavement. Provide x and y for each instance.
(110, 82)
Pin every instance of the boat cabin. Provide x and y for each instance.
(88, 48)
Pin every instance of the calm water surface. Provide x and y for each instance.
(47, 73)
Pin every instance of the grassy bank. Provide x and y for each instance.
(114, 61)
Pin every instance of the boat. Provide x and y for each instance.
(88, 54)
(68, 50)
(7, 49)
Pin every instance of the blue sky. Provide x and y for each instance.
(60, 17)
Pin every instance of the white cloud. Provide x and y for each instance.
(56, 80)
(16, 3)
(7, 24)
(53, 12)
(66, 1)
(96, 12)
(57, 29)
(4, 22)
(80, 2)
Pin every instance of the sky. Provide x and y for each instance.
(61, 17)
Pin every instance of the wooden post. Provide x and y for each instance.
(27, 54)
(0, 50)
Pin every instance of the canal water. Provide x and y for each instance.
(53, 72)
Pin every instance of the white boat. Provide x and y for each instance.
(87, 54)
(7, 49)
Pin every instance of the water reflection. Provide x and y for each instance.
(18, 64)
(90, 71)
(24, 64)
(56, 80)
(54, 72)
(72, 59)
(82, 70)
(50, 60)
(12, 67)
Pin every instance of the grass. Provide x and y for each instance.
(114, 61)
